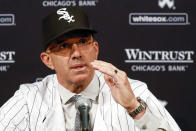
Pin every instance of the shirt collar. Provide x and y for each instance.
(91, 91)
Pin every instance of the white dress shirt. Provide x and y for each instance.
(91, 92)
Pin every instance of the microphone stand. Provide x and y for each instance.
(83, 105)
(84, 120)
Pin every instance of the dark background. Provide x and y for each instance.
(111, 19)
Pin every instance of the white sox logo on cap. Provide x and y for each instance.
(65, 15)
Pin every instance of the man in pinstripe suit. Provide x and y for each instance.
(118, 103)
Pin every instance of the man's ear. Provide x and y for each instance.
(96, 46)
(47, 60)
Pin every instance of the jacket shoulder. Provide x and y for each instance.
(39, 85)
(137, 83)
(37, 88)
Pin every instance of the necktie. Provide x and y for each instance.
(77, 118)
(78, 126)
(77, 122)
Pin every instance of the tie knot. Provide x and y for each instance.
(75, 98)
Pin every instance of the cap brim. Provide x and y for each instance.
(47, 43)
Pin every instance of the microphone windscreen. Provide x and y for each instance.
(83, 101)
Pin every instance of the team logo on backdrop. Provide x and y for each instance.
(168, 3)
(65, 15)
(6, 60)
(156, 60)
(153, 18)
(7, 20)
(61, 3)
(158, 19)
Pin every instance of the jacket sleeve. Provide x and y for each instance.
(156, 117)
(14, 114)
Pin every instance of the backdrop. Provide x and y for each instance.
(153, 41)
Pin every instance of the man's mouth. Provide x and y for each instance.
(78, 67)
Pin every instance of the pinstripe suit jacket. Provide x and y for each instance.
(37, 107)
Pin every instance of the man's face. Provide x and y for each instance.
(71, 57)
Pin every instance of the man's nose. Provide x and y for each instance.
(75, 51)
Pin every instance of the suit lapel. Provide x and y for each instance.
(54, 117)
(100, 124)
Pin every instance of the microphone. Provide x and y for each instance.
(83, 104)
